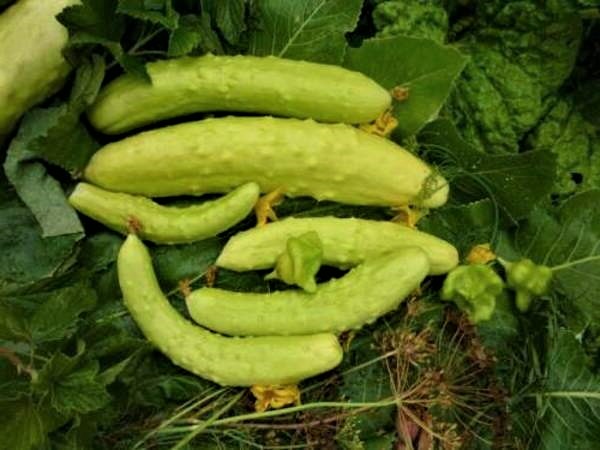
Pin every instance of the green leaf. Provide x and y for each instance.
(502, 330)
(99, 251)
(40, 191)
(570, 398)
(413, 18)
(13, 385)
(97, 22)
(12, 325)
(26, 258)
(194, 32)
(22, 427)
(308, 207)
(73, 386)
(155, 11)
(229, 17)
(521, 52)
(93, 20)
(177, 262)
(88, 80)
(57, 315)
(588, 101)
(57, 136)
(311, 30)
(575, 142)
(385, 442)
(370, 383)
(568, 241)
(464, 226)
(426, 69)
(516, 182)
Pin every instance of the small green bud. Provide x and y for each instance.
(528, 279)
(474, 288)
(300, 262)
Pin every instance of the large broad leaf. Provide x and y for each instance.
(38, 189)
(25, 257)
(569, 242)
(312, 30)
(516, 182)
(22, 427)
(425, 69)
(570, 398)
(72, 384)
(57, 136)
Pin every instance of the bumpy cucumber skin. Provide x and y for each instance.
(368, 291)
(31, 63)
(267, 85)
(346, 243)
(329, 162)
(161, 224)
(226, 361)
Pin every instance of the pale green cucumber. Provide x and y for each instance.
(226, 361)
(345, 242)
(329, 162)
(266, 85)
(32, 66)
(361, 296)
(162, 224)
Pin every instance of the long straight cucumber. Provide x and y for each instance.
(227, 361)
(361, 296)
(161, 224)
(329, 162)
(266, 85)
(345, 242)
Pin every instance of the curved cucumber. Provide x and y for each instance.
(361, 296)
(329, 162)
(32, 66)
(162, 224)
(227, 361)
(267, 85)
(345, 242)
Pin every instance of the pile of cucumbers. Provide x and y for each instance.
(305, 145)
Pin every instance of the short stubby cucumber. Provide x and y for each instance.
(32, 66)
(346, 243)
(361, 296)
(305, 158)
(266, 85)
(226, 361)
(162, 224)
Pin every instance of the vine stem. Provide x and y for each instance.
(280, 412)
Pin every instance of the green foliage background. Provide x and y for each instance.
(503, 100)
